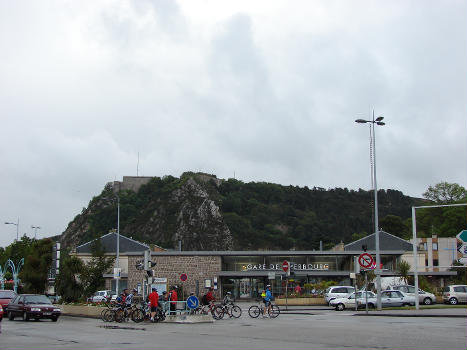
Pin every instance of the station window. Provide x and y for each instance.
(435, 262)
(435, 245)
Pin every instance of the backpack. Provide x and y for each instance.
(204, 300)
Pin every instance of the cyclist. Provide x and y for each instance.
(268, 299)
(209, 297)
(154, 299)
(227, 298)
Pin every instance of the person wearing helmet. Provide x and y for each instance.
(227, 298)
(154, 300)
(268, 299)
(129, 297)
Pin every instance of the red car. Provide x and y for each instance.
(32, 306)
(6, 296)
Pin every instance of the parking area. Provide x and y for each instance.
(310, 329)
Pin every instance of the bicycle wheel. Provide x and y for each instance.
(275, 311)
(119, 315)
(137, 315)
(235, 311)
(254, 311)
(103, 312)
(217, 312)
(109, 315)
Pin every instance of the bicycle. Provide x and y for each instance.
(230, 309)
(255, 310)
(215, 310)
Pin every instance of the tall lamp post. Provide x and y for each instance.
(17, 226)
(377, 121)
(35, 230)
(117, 280)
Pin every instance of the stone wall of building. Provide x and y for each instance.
(197, 268)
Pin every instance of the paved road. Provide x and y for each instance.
(322, 330)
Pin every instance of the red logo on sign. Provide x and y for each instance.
(285, 266)
(183, 277)
(365, 260)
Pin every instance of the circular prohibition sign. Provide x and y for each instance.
(365, 260)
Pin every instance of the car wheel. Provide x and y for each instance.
(25, 316)
(405, 304)
(54, 318)
(453, 301)
(340, 307)
(371, 306)
(427, 301)
(10, 316)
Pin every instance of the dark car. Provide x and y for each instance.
(34, 306)
(6, 296)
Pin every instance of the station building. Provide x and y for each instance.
(246, 273)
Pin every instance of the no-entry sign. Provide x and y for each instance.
(183, 277)
(285, 266)
(365, 260)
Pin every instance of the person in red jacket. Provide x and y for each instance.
(173, 300)
(209, 297)
(154, 299)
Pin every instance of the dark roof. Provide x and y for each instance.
(109, 244)
(386, 242)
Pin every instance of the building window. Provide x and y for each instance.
(435, 245)
(435, 262)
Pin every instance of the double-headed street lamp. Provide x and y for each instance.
(377, 121)
(35, 230)
(17, 226)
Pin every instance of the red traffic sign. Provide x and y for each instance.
(285, 266)
(366, 261)
(183, 277)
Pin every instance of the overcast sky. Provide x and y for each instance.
(266, 90)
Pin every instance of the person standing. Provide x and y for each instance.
(173, 300)
(154, 300)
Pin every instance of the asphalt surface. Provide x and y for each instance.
(313, 328)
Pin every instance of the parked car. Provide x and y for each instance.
(32, 306)
(1, 313)
(396, 298)
(341, 304)
(455, 294)
(338, 292)
(54, 298)
(100, 296)
(423, 297)
(6, 296)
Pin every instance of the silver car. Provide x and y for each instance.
(396, 298)
(455, 294)
(423, 297)
(341, 304)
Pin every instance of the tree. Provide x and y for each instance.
(394, 225)
(403, 270)
(445, 192)
(67, 283)
(36, 266)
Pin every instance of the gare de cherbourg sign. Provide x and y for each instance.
(293, 266)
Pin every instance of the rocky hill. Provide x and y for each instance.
(206, 213)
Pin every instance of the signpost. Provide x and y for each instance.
(192, 302)
(286, 268)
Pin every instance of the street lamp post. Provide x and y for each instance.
(17, 226)
(377, 121)
(35, 230)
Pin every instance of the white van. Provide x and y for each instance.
(100, 295)
(338, 292)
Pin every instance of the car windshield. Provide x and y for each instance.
(7, 294)
(36, 299)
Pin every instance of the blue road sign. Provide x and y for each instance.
(192, 302)
(462, 236)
